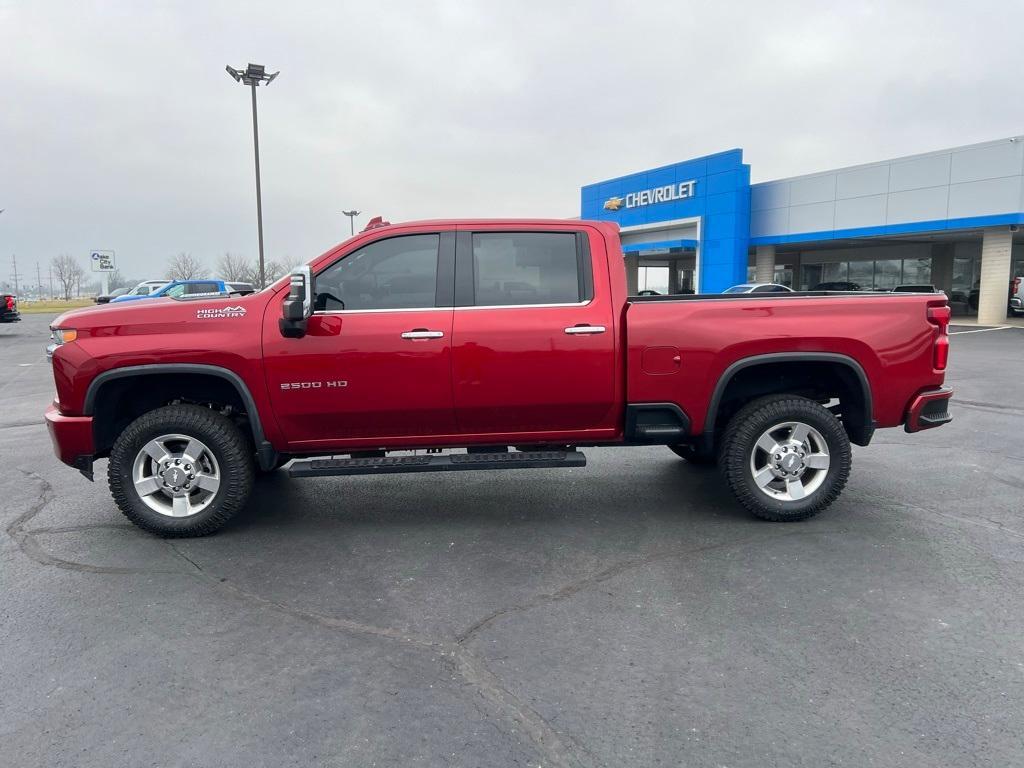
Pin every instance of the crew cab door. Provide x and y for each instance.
(534, 336)
(376, 358)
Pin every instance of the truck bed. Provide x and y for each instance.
(886, 336)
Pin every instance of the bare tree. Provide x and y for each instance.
(276, 269)
(185, 266)
(233, 267)
(69, 274)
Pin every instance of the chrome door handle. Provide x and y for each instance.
(574, 330)
(422, 334)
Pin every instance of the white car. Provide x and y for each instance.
(147, 287)
(758, 288)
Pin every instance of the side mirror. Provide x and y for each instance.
(298, 304)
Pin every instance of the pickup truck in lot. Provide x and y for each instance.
(514, 340)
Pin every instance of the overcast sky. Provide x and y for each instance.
(120, 129)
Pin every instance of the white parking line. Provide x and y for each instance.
(24, 365)
(981, 330)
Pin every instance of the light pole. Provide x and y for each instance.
(351, 220)
(253, 75)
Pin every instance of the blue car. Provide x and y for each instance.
(181, 288)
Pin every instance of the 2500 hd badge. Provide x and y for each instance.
(313, 384)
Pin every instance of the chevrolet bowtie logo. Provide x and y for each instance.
(613, 203)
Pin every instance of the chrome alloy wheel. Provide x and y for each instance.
(789, 461)
(176, 475)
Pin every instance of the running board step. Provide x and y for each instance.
(455, 462)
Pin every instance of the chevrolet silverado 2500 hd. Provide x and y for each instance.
(512, 339)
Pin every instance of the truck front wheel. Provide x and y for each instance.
(181, 470)
(785, 457)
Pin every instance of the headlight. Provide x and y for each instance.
(63, 335)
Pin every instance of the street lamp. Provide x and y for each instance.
(253, 75)
(351, 220)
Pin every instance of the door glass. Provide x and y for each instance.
(525, 268)
(397, 273)
(197, 288)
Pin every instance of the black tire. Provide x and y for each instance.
(693, 455)
(229, 446)
(738, 446)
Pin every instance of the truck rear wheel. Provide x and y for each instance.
(785, 457)
(181, 470)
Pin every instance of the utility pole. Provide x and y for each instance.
(14, 266)
(39, 282)
(253, 75)
(51, 281)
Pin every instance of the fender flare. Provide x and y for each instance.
(792, 357)
(266, 455)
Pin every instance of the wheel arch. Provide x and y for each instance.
(850, 375)
(230, 382)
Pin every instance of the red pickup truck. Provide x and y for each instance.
(512, 339)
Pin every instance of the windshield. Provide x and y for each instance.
(737, 289)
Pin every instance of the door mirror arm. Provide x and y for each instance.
(297, 306)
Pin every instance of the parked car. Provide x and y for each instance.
(1017, 296)
(143, 289)
(840, 285)
(177, 289)
(915, 289)
(758, 288)
(9, 308)
(512, 339)
(242, 289)
(106, 298)
(1013, 291)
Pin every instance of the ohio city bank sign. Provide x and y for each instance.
(666, 194)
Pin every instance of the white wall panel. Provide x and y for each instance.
(919, 172)
(987, 162)
(981, 198)
(816, 217)
(812, 189)
(860, 212)
(918, 205)
(860, 182)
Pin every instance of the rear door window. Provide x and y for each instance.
(522, 268)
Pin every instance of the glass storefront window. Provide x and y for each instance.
(784, 276)
(917, 271)
(810, 274)
(862, 274)
(653, 279)
(887, 274)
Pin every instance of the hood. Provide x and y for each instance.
(163, 310)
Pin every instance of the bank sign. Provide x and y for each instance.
(667, 194)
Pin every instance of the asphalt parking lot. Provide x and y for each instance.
(629, 613)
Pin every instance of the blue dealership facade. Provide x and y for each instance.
(949, 218)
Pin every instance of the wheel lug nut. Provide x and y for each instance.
(191, 476)
(176, 489)
(177, 461)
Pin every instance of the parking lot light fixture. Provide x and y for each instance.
(351, 220)
(253, 75)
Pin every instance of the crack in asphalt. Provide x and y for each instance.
(558, 749)
(469, 666)
(21, 424)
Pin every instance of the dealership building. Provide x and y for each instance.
(948, 218)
